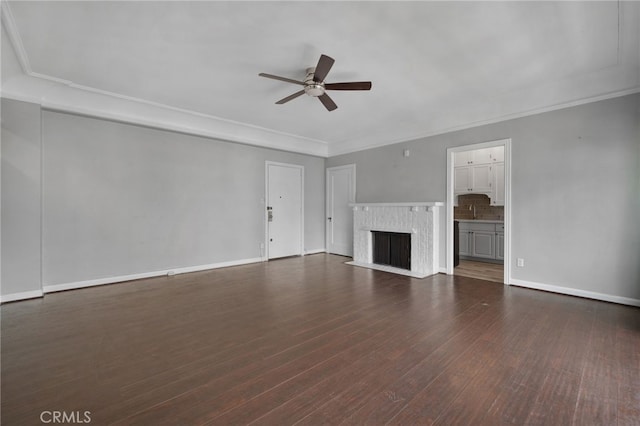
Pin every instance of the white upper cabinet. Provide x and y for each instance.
(462, 158)
(480, 171)
(481, 178)
(470, 158)
(481, 156)
(473, 179)
(497, 154)
(497, 193)
(462, 180)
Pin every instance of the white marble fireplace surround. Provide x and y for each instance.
(420, 219)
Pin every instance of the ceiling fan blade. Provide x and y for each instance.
(275, 77)
(327, 102)
(353, 85)
(290, 97)
(322, 69)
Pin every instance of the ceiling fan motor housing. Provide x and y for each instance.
(313, 88)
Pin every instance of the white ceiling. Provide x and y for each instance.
(435, 66)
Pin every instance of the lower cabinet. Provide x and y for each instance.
(484, 244)
(464, 242)
(500, 245)
(481, 241)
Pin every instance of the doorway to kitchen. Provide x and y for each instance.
(478, 210)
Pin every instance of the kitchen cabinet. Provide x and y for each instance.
(473, 179)
(500, 245)
(463, 158)
(497, 188)
(481, 240)
(461, 179)
(484, 244)
(480, 171)
(479, 156)
(500, 241)
(476, 156)
(464, 242)
(497, 154)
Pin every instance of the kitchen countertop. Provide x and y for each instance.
(480, 220)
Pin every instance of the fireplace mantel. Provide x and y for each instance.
(414, 204)
(420, 219)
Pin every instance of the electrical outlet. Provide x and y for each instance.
(520, 262)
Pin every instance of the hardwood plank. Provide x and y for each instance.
(486, 362)
(455, 356)
(480, 270)
(312, 340)
(336, 388)
(628, 365)
(598, 393)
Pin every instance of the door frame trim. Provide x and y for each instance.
(507, 201)
(351, 166)
(268, 163)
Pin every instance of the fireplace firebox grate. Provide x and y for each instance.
(392, 249)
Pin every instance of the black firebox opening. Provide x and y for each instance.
(392, 248)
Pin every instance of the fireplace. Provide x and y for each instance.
(397, 237)
(392, 249)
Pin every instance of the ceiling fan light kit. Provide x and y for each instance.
(311, 87)
(315, 86)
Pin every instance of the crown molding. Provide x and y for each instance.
(62, 95)
(356, 146)
(14, 36)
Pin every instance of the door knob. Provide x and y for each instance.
(329, 219)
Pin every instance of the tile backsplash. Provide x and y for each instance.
(481, 203)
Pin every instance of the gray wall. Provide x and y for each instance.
(121, 199)
(575, 190)
(20, 152)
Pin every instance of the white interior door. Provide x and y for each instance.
(341, 190)
(284, 210)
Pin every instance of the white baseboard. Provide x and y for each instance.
(442, 270)
(316, 251)
(21, 296)
(576, 292)
(121, 278)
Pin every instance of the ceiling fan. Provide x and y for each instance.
(315, 86)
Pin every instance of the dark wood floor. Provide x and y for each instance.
(313, 341)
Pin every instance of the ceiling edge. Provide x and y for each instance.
(58, 95)
(65, 96)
